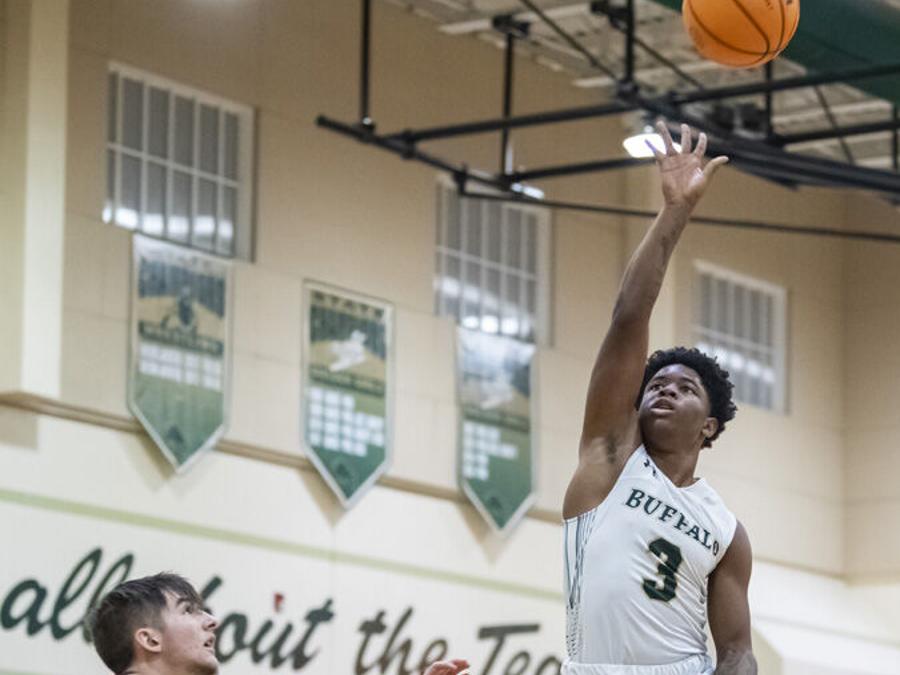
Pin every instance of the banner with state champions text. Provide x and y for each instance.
(179, 358)
(496, 461)
(347, 375)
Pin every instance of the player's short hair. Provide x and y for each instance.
(129, 606)
(715, 380)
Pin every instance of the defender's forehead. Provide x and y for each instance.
(175, 600)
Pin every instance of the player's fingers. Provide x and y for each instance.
(714, 165)
(700, 150)
(666, 136)
(453, 667)
(686, 139)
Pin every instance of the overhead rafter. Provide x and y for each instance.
(479, 25)
(737, 223)
(618, 106)
(763, 156)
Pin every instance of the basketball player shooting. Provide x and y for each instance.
(651, 551)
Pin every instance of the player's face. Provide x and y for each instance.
(675, 408)
(188, 637)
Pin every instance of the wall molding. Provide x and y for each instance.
(49, 407)
(41, 405)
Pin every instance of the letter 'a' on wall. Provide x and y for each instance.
(179, 369)
(496, 462)
(347, 386)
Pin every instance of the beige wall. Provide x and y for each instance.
(330, 210)
(872, 369)
(11, 236)
(32, 176)
(814, 486)
(336, 211)
(7, 295)
(783, 473)
(262, 529)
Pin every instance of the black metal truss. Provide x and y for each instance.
(569, 39)
(620, 18)
(764, 156)
(618, 106)
(895, 139)
(781, 228)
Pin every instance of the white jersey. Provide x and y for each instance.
(637, 568)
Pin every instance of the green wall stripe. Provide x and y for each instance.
(266, 543)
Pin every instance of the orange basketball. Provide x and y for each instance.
(740, 33)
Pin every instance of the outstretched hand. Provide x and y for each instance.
(685, 174)
(453, 667)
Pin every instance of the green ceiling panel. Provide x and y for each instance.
(840, 34)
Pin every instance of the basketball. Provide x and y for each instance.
(740, 33)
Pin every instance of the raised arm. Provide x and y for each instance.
(729, 608)
(610, 432)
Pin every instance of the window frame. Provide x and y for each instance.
(779, 347)
(543, 255)
(243, 184)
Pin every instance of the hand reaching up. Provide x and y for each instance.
(453, 667)
(685, 175)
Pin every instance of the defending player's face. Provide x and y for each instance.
(188, 637)
(675, 406)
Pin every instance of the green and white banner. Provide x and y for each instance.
(496, 454)
(179, 357)
(346, 389)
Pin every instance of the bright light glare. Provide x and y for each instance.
(636, 145)
(527, 190)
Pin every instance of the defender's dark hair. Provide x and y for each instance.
(714, 378)
(128, 607)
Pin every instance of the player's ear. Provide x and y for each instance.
(710, 427)
(148, 639)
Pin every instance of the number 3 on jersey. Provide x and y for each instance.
(669, 560)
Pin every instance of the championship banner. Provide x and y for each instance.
(346, 389)
(179, 357)
(496, 456)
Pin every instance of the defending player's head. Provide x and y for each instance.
(155, 624)
(685, 398)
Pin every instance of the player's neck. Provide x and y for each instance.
(153, 669)
(679, 467)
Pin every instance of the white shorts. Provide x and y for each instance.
(700, 664)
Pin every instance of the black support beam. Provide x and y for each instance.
(838, 132)
(508, 61)
(895, 140)
(784, 84)
(583, 167)
(763, 157)
(364, 68)
(517, 121)
(460, 172)
(782, 228)
(618, 107)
